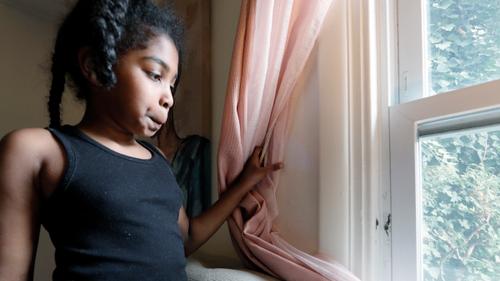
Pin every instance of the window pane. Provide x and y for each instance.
(461, 205)
(464, 43)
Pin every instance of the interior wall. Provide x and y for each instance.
(25, 71)
(297, 193)
(193, 108)
(335, 129)
(224, 20)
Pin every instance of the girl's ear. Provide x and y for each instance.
(87, 67)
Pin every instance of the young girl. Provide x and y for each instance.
(109, 202)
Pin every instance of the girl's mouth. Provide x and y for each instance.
(156, 124)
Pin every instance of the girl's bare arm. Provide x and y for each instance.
(20, 164)
(198, 230)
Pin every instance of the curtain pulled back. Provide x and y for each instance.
(273, 42)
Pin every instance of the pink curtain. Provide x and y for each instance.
(273, 42)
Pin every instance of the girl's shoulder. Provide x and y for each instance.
(29, 142)
(33, 152)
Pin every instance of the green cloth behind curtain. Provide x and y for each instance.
(192, 166)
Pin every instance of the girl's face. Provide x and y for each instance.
(140, 101)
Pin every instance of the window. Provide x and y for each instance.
(466, 109)
(446, 45)
(461, 204)
(463, 39)
(444, 193)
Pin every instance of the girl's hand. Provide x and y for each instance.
(202, 227)
(253, 172)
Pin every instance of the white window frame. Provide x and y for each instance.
(405, 120)
(411, 34)
(415, 109)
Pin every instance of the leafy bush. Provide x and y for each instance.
(464, 43)
(461, 206)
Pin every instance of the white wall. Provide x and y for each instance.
(334, 163)
(299, 184)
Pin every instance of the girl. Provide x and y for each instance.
(109, 202)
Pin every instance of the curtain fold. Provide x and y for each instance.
(273, 42)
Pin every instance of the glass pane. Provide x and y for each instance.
(461, 205)
(464, 43)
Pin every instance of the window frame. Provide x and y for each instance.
(409, 109)
(405, 120)
(411, 36)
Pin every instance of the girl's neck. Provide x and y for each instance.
(103, 129)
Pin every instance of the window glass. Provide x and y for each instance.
(461, 204)
(464, 43)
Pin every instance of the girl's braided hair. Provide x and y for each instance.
(108, 28)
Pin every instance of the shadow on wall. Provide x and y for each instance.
(24, 72)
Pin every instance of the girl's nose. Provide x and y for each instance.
(166, 99)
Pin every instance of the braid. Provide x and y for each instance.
(55, 97)
(109, 21)
(58, 81)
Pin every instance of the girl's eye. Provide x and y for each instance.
(154, 76)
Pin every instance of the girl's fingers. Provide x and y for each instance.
(256, 155)
(258, 150)
(255, 151)
(275, 166)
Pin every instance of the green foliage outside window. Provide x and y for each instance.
(464, 43)
(461, 206)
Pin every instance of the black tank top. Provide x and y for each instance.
(114, 217)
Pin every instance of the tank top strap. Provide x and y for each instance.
(154, 149)
(69, 152)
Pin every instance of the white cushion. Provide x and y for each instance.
(201, 270)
